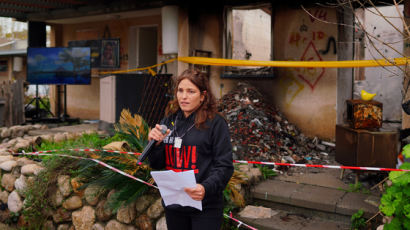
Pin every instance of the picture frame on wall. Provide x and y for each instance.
(110, 53)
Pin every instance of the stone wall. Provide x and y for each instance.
(74, 208)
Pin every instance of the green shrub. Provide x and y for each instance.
(395, 201)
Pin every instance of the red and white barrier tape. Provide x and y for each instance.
(40, 153)
(47, 153)
(240, 223)
(245, 162)
(86, 150)
(322, 166)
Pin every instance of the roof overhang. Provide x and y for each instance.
(59, 10)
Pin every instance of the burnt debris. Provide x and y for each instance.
(259, 132)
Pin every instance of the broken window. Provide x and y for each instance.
(248, 36)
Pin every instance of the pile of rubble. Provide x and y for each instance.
(260, 132)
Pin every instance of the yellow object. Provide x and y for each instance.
(284, 64)
(367, 96)
(295, 64)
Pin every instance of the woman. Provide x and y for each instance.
(199, 141)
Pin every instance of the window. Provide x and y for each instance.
(248, 36)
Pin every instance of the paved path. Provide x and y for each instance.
(310, 199)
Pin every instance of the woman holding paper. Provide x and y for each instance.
(198, 139)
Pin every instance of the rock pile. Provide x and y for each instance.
(260, 132)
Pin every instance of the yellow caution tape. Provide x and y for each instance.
(294, 64)
(286, 64)
(140, 69)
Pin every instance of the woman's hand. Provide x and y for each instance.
(156, 134)
(196, 193)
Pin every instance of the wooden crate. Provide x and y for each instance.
(360, 147)
(364, 114)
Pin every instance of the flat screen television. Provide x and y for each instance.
(59, 65)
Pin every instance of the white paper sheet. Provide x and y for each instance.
(171, 186)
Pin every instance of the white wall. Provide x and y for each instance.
(252, 34)
(386, 82)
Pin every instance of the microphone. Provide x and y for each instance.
(148, 148)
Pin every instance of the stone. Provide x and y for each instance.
(48, 225)
(112, 192)
(155, 210)
(76, 186)
(4, 152)
(23, 144)
(12, 142)
(59, 137)
(4, 196)
(92, 194)
(6, 158)
(73, 203)
(71, 136)
(64, 186)
(126, 214)
(161, 224)
(143, 202)
(47, 137)
(14, 202)
(84, 219)
(244, 168)
(256, 212)
(20, 185)
(61, 215)
(63, 227)
(8, 165)
(115, 225)
(102, 211)
(24, 161)
(7, 182)
(89, 132)
(143, 222)
(98, 226)
(17, 131)
(4, 215)
(5, 133)
(56, 198)
(36, 140)
(254, 175)
(31, 169)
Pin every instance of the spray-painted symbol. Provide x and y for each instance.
(311, 75)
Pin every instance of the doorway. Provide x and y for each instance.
(143, 46)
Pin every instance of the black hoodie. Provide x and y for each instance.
(208, 151)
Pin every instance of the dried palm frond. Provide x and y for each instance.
(233, 188)
(126, 119)
(135, 132)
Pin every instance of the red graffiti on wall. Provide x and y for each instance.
(317, 14)
(296, 38)
(311, 75)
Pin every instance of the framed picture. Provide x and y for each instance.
(110, 53)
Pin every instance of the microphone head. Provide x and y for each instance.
(164, 129)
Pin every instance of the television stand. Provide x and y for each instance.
(40, 115)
